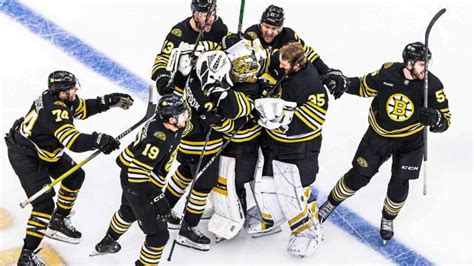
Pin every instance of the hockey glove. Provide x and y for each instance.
(162, 207)
(336, 82)
(105, 143)
(265, 87)
(429, 117)
(121, 100)
(162, 85)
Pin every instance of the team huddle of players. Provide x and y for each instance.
(234, 109)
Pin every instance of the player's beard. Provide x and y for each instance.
(418, 74)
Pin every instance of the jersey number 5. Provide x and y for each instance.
(151, 151)
(440, 96)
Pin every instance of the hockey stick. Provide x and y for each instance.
(241, 17)
(425, 101)
(150, 111)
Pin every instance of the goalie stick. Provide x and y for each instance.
(150, 111)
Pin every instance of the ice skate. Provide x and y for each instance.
(174, 221)
(60, 228)
(107, 245)
(30, 258)
(325, 210)
(192, 237)
(386, 230)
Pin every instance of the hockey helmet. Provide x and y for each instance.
(203, 5)
(415, 52)
(170, 105)
(273, 15)
(61, 81)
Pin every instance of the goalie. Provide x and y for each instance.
(293, 124)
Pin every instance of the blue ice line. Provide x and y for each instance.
(74, 47)
(362, 230)
(342, 217)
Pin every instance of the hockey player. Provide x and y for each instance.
(145, 163)
(294, 146)
(36, 152)
(238, 161)
(186, 32)
(272, 34)
(214, 105)
(396, 121)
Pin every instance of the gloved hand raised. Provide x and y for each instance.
(105, 143)
(116, 99)
(336, 82)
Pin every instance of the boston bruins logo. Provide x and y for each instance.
(399, 107)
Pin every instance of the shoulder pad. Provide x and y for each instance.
(160, 135)
(60, 103)
(252, 34)
(387, 65)
(177, 32)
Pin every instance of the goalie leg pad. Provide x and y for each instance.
(270, 215)
(306, 233)
(228, 218)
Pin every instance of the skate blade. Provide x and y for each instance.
(187, 243)
(173, 226)
(96, 253)
(384, 242)
(56, 235)
(266, 233)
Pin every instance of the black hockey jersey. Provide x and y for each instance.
(205, 114)
(48, 126)
(305, 88)
(183, 32)
(285, 36)
(149, 158)
(250, 129)
(393, 112)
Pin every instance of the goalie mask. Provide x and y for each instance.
(213, 68)
(247, 58)
(245, 69)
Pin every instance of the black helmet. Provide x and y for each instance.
(273, 15)
(61, 81)
(203, 5)
(415, 52)
(170, 105)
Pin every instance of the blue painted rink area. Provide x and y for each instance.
(111, 46)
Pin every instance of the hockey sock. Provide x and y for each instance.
(391, 208)
(118, 226)
(37, 224)
(340, 192)
(150, 255)
(195, 207)
(66, 199)
(176, 187)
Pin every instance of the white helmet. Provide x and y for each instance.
(213, 68)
